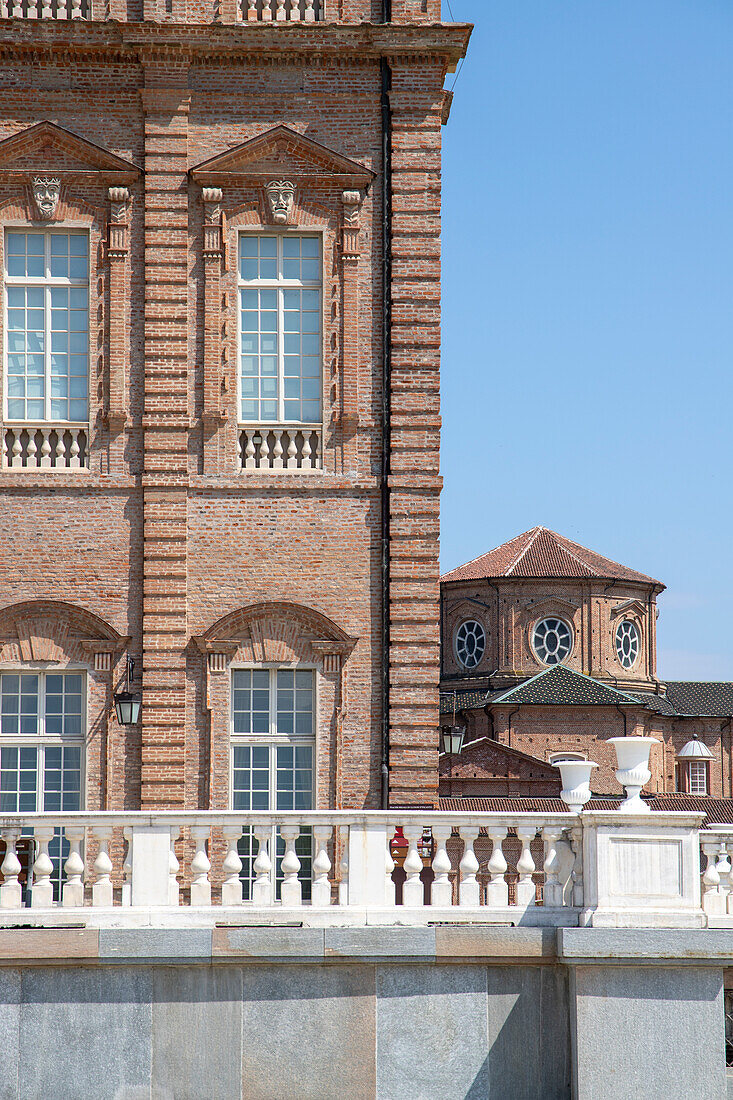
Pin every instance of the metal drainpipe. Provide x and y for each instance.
(386, 84)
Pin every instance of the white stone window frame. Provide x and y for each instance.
(280, 284)
(47, 282)
(630, 623)
(272, 740)
(697, 777)
(463, 623)
(533, 631)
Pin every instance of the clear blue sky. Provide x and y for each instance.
(588, 296)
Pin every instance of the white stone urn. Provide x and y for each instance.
(632, 755)
(575, 776)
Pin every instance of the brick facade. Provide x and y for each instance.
(164, 134)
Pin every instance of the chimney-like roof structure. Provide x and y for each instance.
(543, 553)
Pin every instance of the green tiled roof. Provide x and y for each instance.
(561, 686)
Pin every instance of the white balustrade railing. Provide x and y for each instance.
(716, 845)
(390, 866)
(280, 11)
(45, 9)
(45, 446)
(279, 447)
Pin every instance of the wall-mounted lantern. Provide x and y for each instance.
(127, 703)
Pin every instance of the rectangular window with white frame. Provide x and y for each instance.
(697, 777)
(46, 348)
(42, 724)
(272, 762)
(280, 350)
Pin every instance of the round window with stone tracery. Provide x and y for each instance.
(627, 643)
(470, 643)
(552, 641)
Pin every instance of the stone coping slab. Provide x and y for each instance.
(439, 943)
(637, 946)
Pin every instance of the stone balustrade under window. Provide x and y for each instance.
(45, 446)
(372, 867)
(280, 447)
(247, 11)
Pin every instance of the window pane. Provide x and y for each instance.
(37, 377)
(18, 770)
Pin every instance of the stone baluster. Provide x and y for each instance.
(76, 9)
(42, 889)
(74, 460)
(5, 434)
(45, 449)
(497, 889)
(344, 865)
(389, 866)
(280, 14)
(277, 450)
(723, 868)
(127, 869)
(72, 893)
(11, 892)
(250, 462)
(292, 462)
(310, 14)
(4, 14)
(577, 897)
(413, 894)
(61, 9)
(264, 451)
(252, 11)
(174, 889)
(17, 452)
(552, 890)
(32, 9)
(711, 897)
(46, 12)
(306, 452)
(468, 889)
(442, 889)
(290, 891)
(18, 9)
(295, 11)
(102, 893)
(321, 890)
(31, 450)
(262, 886)
(60, 449)
(200, 867)
(267, 11)
(231, 888)
(526, 893)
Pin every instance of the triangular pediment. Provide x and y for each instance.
(282, 153)
(629, 607)
(50, 150)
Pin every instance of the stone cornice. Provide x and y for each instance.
(237, 43)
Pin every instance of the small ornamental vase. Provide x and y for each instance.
(632, 755)
(575, 776)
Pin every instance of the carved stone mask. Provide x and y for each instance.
(280, 195)
(46, 192)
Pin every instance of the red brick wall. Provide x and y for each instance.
(160, 540)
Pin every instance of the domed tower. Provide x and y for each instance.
(540, 600)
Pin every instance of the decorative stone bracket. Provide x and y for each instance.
(213, 415)
(118, 228)
(104, 653)
(332, 654)
(351, 201)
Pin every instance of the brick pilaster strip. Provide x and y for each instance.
(166, 433)
(415, 435)
(119, 295)
(212, 416)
